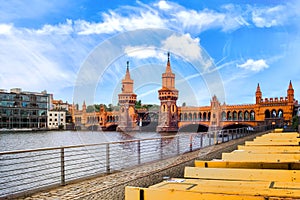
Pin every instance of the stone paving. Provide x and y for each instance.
(112, 186)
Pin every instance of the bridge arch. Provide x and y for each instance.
(240, 116)
(229, 116)
(246, 116)
(235, 125)
(194, 128)
(273, 113)
(267, 114)
(204, 116)
(223, 116)
(252, 115)
(280, 113)
(234, 116)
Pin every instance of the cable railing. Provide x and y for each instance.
(23, 171)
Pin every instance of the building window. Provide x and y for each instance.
(50, 114)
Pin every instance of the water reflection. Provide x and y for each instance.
(32, 140)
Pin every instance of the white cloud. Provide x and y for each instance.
(113, 22)
(254, 65)
(267, 17)
(184, 45)
(143, 52)
(5, 29)
(36, 61)
(163, 5)
(275, 16)
(66, 28)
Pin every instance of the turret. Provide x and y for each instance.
(290, 93)
(258, 94)
(127, 99)
(168, 95)
(83, 106)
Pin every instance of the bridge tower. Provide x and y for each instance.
(290, 93)
(127, 100)
(168, 95)
(215, 113)
(258, 94)
(83, 119)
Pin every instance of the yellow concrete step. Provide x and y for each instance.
(278, 130)
(280, 135)
(248, 165)
(135, 193)
(246, 157)
(243, 174)
(277, 140)
(267, 149)
(267, 143)
(196, 188)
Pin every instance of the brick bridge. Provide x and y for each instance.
(277, 111)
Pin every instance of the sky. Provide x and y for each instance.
(77, 50)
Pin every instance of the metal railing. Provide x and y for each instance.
(27, 170)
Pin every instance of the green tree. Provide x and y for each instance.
(138, 104)
(90, 109)
(295, 122)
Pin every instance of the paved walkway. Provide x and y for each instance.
(85, 189)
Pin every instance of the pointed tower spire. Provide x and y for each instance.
(258, 94)
(290, 85)
(127, 75)
(168, 68)
(84, 106)
(258, 88)
(290, 93)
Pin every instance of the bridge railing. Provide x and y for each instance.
(26, 171)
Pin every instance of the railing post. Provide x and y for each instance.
(209, 140)
(215, 137)
(178, 145)
(62, 167)
(161, 148)
(191, 143)
(139, 151)
(107, 159)
(222, 131)
(201, 140)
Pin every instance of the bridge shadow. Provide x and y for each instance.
(192, 128)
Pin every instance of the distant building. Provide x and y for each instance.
(20, 109)
(56, 119)
(60, 105)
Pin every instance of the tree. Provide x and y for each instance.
(90, 109)
(138, 104)
(295, 122)
(183, 104)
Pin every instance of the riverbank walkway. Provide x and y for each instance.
(265, 168)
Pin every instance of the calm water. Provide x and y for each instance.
(33, 140)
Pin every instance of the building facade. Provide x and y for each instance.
(56, 119)
(20, 109)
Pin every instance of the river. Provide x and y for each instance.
(10, 141)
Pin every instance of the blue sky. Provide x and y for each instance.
(217, 47)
